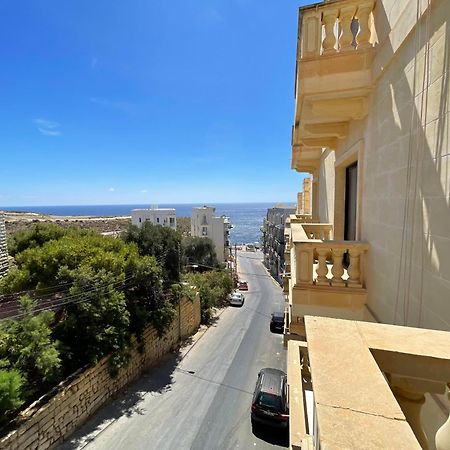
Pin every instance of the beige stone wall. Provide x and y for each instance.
(403, 153)
(49, 425)
(406, 216)
(326, 187)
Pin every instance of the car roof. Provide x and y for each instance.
(272, 380)
(278, 314)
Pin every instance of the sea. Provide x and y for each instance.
(246, 218)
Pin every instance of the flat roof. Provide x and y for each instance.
(155, 209)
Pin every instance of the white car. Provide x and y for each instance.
(237, 299)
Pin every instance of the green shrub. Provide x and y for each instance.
(11, 383)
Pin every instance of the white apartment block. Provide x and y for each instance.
(204, 223)
(165, 217)
(3, 247)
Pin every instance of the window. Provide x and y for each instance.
(140, 220)
(171, 220)
(157, 220)
(204, 231)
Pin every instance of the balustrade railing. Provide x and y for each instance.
(316, 259)
(323, 231)
(338, 26)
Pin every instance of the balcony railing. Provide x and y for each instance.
(329, 269)
(336, 26)
(322, 261)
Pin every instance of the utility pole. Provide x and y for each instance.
(235, 261)
(179, 298)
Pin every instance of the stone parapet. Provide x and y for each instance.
(79, 397)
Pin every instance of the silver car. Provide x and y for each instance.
(237, 299)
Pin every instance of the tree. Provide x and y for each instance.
(161, 242)
(97, 324)
(198, 250)
(27, 346)
(213, 288)
(34, 237)
(11, 396)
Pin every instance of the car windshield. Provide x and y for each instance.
(269, 401)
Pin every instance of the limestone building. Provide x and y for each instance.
(204, 223)
(166, 217)
(3, 247)
(273, 242)
(372, 128)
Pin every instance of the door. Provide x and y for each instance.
(351, 198)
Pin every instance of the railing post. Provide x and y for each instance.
(363, 14)
(345, 18)
(442, 438)
(329, 20)
(322, 268)
(311, 34)
(411, 404)
(337, 270)
(354, 272)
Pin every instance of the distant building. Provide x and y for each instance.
(304, 198)
(157, 216)
(217, 228)
(3, 247)
(273, 239)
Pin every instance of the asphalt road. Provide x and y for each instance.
(200, 398)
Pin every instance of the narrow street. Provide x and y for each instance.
(200, 398)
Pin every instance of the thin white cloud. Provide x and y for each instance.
(144, 191)
(111, 189)
(48, 127)
(49, 132)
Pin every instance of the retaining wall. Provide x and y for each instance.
(77, 399)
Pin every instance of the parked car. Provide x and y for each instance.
(270, 405)
(243, 286)
(250, 248)
(237, 299)
(277, 322)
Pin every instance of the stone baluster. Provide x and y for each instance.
(329, 20)
(363, 14)
(411, 404)
(345, 19)
(322, 268)
(442, 438)
(354, 273)
(337, 270)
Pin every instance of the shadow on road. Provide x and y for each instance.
(271, 435)
(155, 381)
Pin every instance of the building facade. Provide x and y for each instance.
(204, 223)
(3, 247)
(273, 239)
(372, 128)
(166, 217)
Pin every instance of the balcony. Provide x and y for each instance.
(326, 276)
(369, 384)
(336, 40)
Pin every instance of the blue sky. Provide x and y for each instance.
(146, 101)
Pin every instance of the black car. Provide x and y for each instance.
(270, 399)
(277, 322)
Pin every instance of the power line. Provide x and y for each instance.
(71, 299)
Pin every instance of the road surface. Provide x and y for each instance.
(200, 398)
